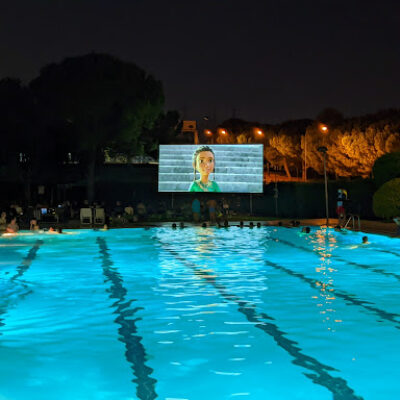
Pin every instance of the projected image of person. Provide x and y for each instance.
(204, 163)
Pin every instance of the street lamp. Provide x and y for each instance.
(323, 150)
(208, 133)
(323, 128)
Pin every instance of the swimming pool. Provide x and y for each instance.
(199, 314)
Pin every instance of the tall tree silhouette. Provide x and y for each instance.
(107, 103)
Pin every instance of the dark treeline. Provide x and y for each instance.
(84, 109)
(79, 111)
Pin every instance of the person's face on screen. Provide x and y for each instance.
(205, 162)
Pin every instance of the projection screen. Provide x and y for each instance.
(211, 168)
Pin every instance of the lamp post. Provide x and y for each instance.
(209, 135)
(258, 132)
(305, 158)
(223, 135)
(323, 150)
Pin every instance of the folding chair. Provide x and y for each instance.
(99, 216)
(86, 216)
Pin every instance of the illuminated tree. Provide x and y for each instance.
(287, 150)
(284, 142)
(351, 151)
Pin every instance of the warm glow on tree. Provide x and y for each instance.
(350, 152)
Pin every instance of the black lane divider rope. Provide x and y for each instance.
(21, 269)
(319, 375)
(135, 352)
(388, 252)
(27, 261)
(349, 298)
(363, 266)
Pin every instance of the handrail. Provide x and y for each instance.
(352, 218)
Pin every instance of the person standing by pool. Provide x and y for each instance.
(196, 209)
(204, 163)
(212, 207)
(396, 220)
(340, 208)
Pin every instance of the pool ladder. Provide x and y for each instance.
(353, 218)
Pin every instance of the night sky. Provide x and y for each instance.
(265, 61)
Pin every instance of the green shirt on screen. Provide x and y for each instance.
(198, 186)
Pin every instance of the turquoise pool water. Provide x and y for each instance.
(199, 314)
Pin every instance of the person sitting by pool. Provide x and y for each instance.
(3, 221)
(141, 211)
(204, 163)
(118, 210)
(12, 227)
(129, 214)
(33, 225)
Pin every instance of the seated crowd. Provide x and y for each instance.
(45, 216)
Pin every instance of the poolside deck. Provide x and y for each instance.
(379, 227)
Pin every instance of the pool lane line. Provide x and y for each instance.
(27, 261)
(349, 298)
(336, 257)
(22, 268)
(388, 252)
(135, 352)
(319, 375)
